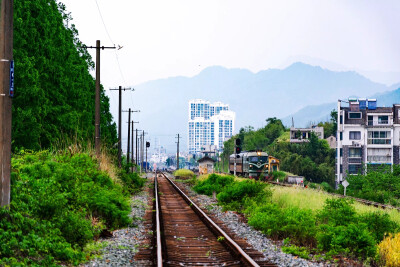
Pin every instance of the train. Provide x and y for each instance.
(253, 164)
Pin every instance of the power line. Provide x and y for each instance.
(101, 16)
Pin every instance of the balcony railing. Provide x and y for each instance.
(381, 122)
(379, 141)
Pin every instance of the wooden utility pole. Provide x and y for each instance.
(129, 133)
(6, 93)
(136, 147)
(133, 143)
(97, 140)
(119, 120)
(177, 153)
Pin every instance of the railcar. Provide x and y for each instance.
(253, 164)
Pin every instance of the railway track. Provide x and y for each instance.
(185, 235)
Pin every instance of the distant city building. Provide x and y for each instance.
(300, 135)
(209, 124)
(367, 137)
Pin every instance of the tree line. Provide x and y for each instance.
(55, 92)
(314, 159)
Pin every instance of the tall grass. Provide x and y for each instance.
(289, 197)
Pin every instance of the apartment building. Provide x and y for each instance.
(367, 136)
(209, 124)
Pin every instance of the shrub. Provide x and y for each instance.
(132, 181)
(234, 196)
(353, 239)
(293, 223)
(337, 211)
(379, 224)
(59, 202)
(214, 183)
(280, 175)
(389, 251)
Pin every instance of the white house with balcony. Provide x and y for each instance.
(367, 136)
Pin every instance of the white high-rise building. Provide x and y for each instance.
(209, 124)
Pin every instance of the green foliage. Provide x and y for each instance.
(280, 175)
(185, 173)
(214, 183)
(353, 239)
(59, 203)
(235, 196)
(379, 185)
(379, 225)
(337, 211)
(298, 225)
(132, 181)
(55, 90)
(302, 252)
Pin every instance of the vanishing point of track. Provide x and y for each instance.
(187, 236)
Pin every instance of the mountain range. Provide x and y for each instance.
(308, 93)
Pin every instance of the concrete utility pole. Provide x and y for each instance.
(97, 140)
(177, 153)
(136, 147)
(6, 93)
(119, 120)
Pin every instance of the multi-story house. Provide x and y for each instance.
(367, 136)
(209, 124)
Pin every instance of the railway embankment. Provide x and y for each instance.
(314, 226)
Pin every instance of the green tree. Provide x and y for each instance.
(54, 89)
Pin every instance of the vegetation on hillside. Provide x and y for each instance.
(314, 159)
(55, 92)
(59, 203)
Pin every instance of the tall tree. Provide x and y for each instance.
(54, 89)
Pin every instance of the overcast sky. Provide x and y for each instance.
(181, 37)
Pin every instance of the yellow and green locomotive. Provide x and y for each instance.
(255, 164)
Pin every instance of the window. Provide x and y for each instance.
(354, 168)
(355, 153)
(354, 115)
(383, 119)
(355, 135)
(379, 138)
(341, 135)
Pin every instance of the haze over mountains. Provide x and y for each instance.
(306, 91)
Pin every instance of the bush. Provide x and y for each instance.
(214, 183)
(234, 196)
(296, 224)
(132, 181)
(59, 202)
(280, 175)
(389, 251)
(379, 224)
(353, 239)
(337, 211)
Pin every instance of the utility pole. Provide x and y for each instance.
(97, 140)
(136, 147)
(142, 148)
(129, 132)
(119, 120)
(177, 153)
(133, 153)
(6, 93)
(133, 143)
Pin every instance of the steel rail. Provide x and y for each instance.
(232, 244)
(159, 247)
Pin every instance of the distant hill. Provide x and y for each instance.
(317, 113)
(253, 96)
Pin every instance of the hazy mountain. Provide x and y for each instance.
(253, 96)
(317, 113)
